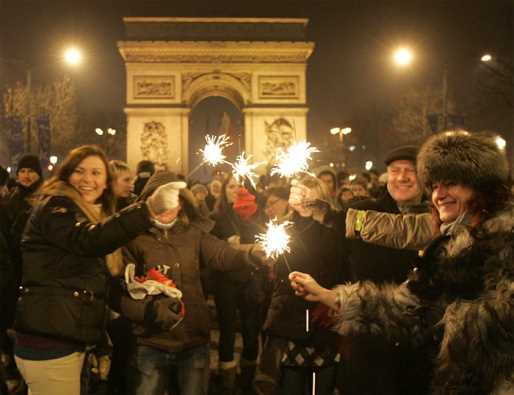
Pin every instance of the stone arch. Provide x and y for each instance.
(235, 88)
(172, 64)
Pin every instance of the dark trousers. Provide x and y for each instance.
(231, 297)
(299, 381)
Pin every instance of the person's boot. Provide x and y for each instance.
(228, 373)
(247, 375)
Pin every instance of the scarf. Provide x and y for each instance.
(114, 260)
(449, 228)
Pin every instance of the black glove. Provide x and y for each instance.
(164, 313)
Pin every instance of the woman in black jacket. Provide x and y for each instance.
(69, 247)
(296, 346)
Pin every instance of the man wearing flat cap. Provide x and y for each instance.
(374, 366)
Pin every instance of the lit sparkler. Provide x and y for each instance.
(295, 160)
(213, 150)
(276, 239)
(243, 169)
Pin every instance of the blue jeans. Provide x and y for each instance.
(154, 371)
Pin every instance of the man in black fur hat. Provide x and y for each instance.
(457, 308)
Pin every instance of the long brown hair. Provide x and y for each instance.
(222, 205)
(73, 159)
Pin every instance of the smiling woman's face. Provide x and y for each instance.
(89, 178)
(451, 200)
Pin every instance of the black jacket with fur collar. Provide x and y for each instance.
(456, 309)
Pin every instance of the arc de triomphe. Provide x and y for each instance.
(172, 64)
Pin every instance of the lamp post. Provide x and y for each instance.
(403, 57)
(72, 57)
(341, 132)
(109, 138)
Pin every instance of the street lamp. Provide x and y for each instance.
(109, 135)
(500, 143)
(341, 132)
(72, 56)
(403, 56)
(486, 58)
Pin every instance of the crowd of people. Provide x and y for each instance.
(398, 284)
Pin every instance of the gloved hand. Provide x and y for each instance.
(164, 313)
(165, 197)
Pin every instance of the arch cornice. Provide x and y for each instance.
(216, 51)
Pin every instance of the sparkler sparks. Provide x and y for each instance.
(213, 150)
(276, 239)
(244, 169)
(295, 160)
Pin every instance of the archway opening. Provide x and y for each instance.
(214, 115)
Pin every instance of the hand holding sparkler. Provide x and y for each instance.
(295, 160)
(305, 201)
(306, 287)
(298, 196)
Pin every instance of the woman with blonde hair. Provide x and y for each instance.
(122, 184)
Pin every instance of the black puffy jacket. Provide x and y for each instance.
(65, 278)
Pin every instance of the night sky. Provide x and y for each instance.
(351, 80)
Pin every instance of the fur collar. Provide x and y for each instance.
(463, 237)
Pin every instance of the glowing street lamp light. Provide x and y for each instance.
(111, 131)
(72, 56)
(99, 131)
(341, 132)
(403, 57)
(486, 58)
(53, 159)
(368, 165)
(500, 142)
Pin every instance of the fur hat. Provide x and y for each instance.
(29, 162)
(464, 158)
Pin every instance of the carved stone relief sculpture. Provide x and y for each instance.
(154, 143)
(154, 87)
(280, 134)
(279, 87)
